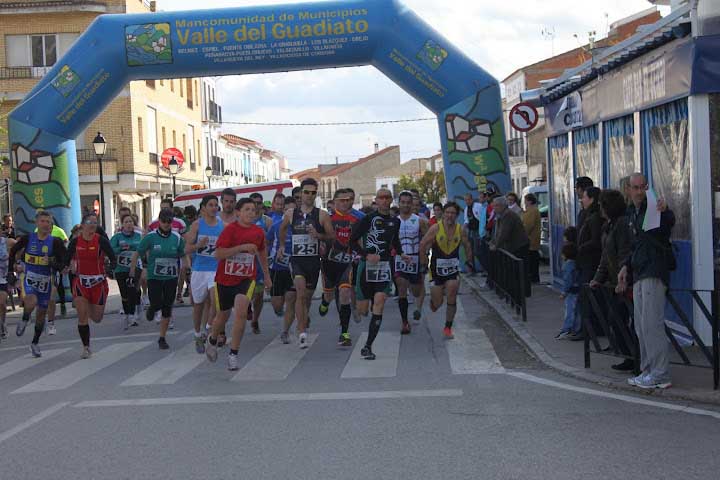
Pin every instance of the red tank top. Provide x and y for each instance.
(90, 260)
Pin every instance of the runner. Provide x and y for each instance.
(437, 213)
(58, 286)
(409, 276)
(200, 241)
(446, 237)
(6, 243)
(163, 250)
(308, 226)
(42, 254)
(264, 222)
(124, 244)
(282, 294)
(376, 238)
(178, 224)
(86, 258)
(237, 248)
(356, 258)
(337, 265)
(228, 200)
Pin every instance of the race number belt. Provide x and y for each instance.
(240, 265)
(125, 259)
(38, 282)
(304, 246)
(89, 281)
(447, 266)
(340, 256)
(166, 267)
(209, 249)
(378, 272)
(410, 267)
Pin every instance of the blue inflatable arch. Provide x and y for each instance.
(116, 49)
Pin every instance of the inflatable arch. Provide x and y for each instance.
(116, 49)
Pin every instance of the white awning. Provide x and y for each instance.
(130, 197)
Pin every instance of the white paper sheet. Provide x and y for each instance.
(652, 215)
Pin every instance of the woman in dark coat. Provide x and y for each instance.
(589, 243)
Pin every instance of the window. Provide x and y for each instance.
(174, 144)
(587, 154)
(196, 94)
(189, 93)
(37, 50)
(152, 130)
(197, 153)
(140, 134)
(184, 146)
(181, 88)
(620, 147)
(44, 50)
(164, 139)
(191, 143)
(150, 84)
(162, 83)
(172, 85)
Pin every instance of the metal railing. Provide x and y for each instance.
(88, 155)
(7, 73)
(506, 274)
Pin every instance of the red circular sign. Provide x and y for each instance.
(523, 117)
(168, 153)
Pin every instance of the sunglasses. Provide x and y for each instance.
(310, 192)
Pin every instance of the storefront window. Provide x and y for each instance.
(666, 144)
(587, 154)
(562, 181)
(620, 142)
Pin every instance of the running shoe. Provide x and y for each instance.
(323, 309)
(448, 333)
(211, 351)
(51, 328)
(255, 328)
(344, 340)
(21, 326)
(221, 340)
(35, 350)
(285, 338)
(647, 382)
(562, 336)
(303, 341)
(162, 343)
(367, 353)
(125, 322)
(417, 314)
(134, 322)
(199, 345)
(634, 380)
(405, 330)
(86, 353)
(232, 362)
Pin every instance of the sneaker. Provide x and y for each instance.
(405, 330)
(285, 338)
(303, 341)
(221, 340)
(125, 322)
(647, 382)
(199, 345)
(211, 351)
(344, 340)
(162, 343)
(86, 353)
(204, 336)
(134, 322)
(323, 309)
(633, 381)
(448, 333)
(562, 336)
(232, 362)
(21, 326)
(417, 315)
(35, 350)
(367, 353)
(255, 328)
(51, 328)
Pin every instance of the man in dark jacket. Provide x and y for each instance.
(581, 184)
(510, 234)
(648, 267)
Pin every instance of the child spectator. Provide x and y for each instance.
(570, 289)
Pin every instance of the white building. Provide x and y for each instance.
(211, 128)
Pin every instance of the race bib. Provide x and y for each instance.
(39, 283)
(378, 272)
(89, 281)
(304, 246)
(284, 260)
(447, 266)
(241, 265)
(209, 249)
(166, 267)
(340, 256)
(410, 267)
(125, 259)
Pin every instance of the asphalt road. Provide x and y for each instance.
(475, 407)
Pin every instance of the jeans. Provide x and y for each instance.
(649, 305)
(571, 322)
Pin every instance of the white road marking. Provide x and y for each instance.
(387, 349)
(81, 369)
(275, 362)
(272, 397)
(32, 421)
(169, 369)
(471, 352)
(94, 339)
(26, 361)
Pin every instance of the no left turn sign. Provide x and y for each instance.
(523, 117)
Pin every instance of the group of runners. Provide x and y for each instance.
(235, 253)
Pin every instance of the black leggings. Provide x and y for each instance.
(130, 295)
(162, 295)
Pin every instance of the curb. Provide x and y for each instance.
(536, 349)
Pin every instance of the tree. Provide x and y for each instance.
(431, 185)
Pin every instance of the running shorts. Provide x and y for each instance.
(94, 293)
(365, 290)
(336, 275)
(225, 295)
(200, 284)
(38, 285)
(308, 268)
(282, 282)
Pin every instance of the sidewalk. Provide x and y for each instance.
(544, 318)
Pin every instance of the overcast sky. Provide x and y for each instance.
(500, 35)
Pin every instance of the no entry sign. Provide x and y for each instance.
(168, 153)
(523, 117)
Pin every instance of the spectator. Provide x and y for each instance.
(648, 268)
(570, 235)
(616, 245)
(532, 223)
(589, 246)
(581, 184)
(8, 227)
(512, 200)
(509, 233)
(625, 189)
(570, 289)
(437, 213)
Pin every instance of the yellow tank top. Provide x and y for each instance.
(448, 245)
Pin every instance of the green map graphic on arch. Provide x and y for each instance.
(66, 81)
(432, 54)
(148, 44)
(40, 176)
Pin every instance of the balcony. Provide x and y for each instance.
(88, 163)
(88, 155)
(516, 147)
(13, 73)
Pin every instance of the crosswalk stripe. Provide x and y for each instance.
(81, 369)
(387, 349)
(168, 370)
(471, 352)
(26, 361)
(275, 362)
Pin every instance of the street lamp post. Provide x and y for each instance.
(173, 167)
(226, 176)
(100, 147)
(208, 174)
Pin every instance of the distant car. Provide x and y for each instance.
(541, 192)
